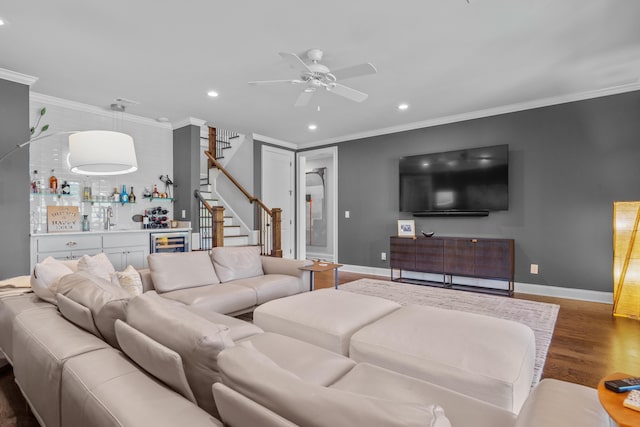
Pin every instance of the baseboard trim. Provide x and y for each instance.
(525, 288)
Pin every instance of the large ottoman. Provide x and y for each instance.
(326, 318)
(484, 357)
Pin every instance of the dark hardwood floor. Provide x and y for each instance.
(588, 343)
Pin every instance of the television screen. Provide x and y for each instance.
(475, 179)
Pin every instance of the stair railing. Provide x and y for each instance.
(268, 221)
(211, 223)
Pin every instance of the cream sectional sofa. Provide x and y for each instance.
(104, 358)
(63, 346)
(232, 280)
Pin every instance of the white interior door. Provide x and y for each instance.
(278, 183)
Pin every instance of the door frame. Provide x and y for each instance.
(292, 208)
(301, 240)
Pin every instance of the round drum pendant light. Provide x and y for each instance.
(100, 152)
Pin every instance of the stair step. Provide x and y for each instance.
(228, 220)
(231, 230)
(240, 240)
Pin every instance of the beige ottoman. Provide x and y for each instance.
(326, 318)
(483, 357)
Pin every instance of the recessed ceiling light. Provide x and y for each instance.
(403, 106)
(1, 22)
(212, 93)
(312, 127)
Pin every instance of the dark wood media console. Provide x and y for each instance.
(454, 256)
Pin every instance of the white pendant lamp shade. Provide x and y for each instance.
(101, 152)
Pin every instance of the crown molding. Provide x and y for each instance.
(13, 76)
(86, 108)
(505, 109)
(187, 122)
(275, 141)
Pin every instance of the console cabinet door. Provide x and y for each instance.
(494, 259)
(429, 255)
(459, 256)
(403, 253)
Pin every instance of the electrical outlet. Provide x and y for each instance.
(347, 214)
(184, 213)
(534, 268)
(383, 256)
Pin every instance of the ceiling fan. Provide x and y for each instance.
(314, 76)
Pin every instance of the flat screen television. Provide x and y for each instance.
(472, 181)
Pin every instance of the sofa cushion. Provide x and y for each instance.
(43, 342)
(238, 329)
(10, 308)
(239, 262)
(552, 400)
(310, 363)
(105, 301)
(181, 270)
(129, 280)
(271, 286)
(160, 361)
(222, 298)
(98, 265)
(461, 410)
(326, 317)
(250, 373)
(484, 357)
(77, 314)
(104, 388)
(194, 338)
(45, 277)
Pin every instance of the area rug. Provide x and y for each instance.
(539, 316)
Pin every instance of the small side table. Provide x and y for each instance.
(319, 267)
(612, 403)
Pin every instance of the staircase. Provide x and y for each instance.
(233, 234)
(220, 226)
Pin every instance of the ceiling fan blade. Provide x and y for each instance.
(347, 92)
(274, 82)
(303, 99)
(354, 71)
(294, 61)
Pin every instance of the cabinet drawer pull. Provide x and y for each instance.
(72, 243)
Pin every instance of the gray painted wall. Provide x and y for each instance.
(186, 171)
(568, 164)
(14, 180)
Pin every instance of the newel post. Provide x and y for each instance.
(276, 229)
(218, 226)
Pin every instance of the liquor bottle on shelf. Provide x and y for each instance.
(66, 188)
(155, 193)
(53, 183)
(35, 184)
(132, 197)
(124, 197)
(116, 194)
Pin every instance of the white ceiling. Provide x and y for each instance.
(447, 59)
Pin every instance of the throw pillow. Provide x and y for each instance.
(45, 277)
(98, 265)
(129, 280)
(232, 263)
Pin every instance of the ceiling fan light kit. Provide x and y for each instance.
(315, 75)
